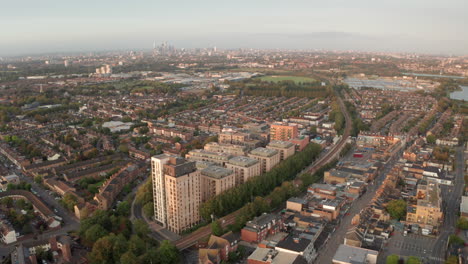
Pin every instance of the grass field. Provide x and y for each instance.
(279, 78)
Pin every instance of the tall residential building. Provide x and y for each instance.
(268, 158)
(244, 168)
(215, 180)
(183, 194)
(159, 188)
(285, 148)
(283, 131)
(427, 212)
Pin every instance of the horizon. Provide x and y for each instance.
(51, 26)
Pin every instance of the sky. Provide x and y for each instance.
(423, 26)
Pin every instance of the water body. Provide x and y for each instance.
(460, 95)
(433, 75)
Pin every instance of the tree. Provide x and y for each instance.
(393, 259)
(38, 179)
(397, 209)
(69, 201)
(126, 119)
(217, 228)
(120, 246)
(136, 245)
(102, 252)
(452, 260)
(141, 228)
(148, 209)
(413, 260)
(123, 148)
(168, 253)
(431, 139)
(455, 240)
(94, 233)
(128, 258)
(462, 223)
(123, 208)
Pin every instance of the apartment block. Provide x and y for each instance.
(268, 158)
(283, 131)
(159, 188)
(183, 194)
(215, 180)
(285, 148)
(244, 168)
(427, 212)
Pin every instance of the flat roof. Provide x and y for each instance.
(242, 161)
(464, 204)
(280, 144)
(264, 152)
(355, 255)
(216, 172)
(276, 257)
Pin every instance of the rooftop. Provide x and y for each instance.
(243, 161)
(354, 255)
(216, 172)
(264, 152)
(280, 144)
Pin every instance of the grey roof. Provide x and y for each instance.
(264, 152)
(216, 172)
(355, 255)
(464, 204)
(297, 244)
(243, 161)
(280, 144)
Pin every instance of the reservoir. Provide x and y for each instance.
(460, 95)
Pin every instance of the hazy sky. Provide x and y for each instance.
(34, 26)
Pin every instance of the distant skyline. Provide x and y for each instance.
(430, 26)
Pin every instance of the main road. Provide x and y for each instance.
(451, 196)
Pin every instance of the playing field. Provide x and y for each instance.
(278, 78)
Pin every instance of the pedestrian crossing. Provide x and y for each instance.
(437, 259)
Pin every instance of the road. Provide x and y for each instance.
(451, 197)
(327, 251)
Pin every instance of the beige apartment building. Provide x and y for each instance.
(159, 188)
(215, 180)
(244, 168)
(268, 158)
(283, 131)
(285, 148)
(183, 194)
(427, 212)
(235, 150)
